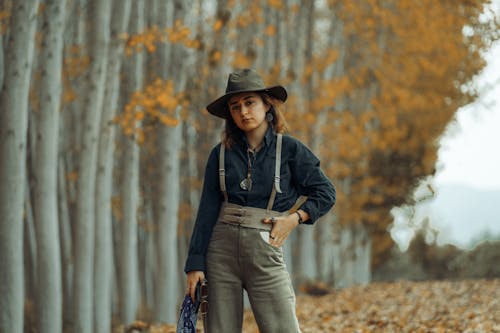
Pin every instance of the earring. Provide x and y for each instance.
(269, 116)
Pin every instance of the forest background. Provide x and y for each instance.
(104, 137)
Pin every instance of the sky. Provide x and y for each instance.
(469, 163)
(470, 150)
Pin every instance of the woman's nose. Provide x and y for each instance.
(243, 110)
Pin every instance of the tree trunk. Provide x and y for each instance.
(66, 241)
(147, 176)
(1, 61)
(169, 190)
(273, 18)
(128, 275)
(353, 251)
(13, 128)
(323, 249)
(218, 66)
(70, 130)
(163, 279)
(190, 176)
(49, 291)
(99, 15)
(103, 257)
(29, 255)
(129, 192)
(304, 267)
(324, 231)
(166, 287)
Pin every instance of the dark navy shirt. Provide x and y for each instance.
(300, 175)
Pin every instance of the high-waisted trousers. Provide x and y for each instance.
(240, 258)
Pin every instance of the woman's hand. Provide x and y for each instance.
(282, 226)
(192, 279)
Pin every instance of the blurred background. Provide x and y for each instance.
(104, 138)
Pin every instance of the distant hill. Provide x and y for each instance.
(465, 215)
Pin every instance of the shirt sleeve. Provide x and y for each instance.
(208, 212)
(311, 181)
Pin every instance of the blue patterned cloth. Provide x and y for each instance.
(188, 316)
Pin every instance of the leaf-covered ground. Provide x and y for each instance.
(471, 306)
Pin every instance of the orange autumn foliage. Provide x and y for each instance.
(405, 66)
(152, 36)
(157, 103)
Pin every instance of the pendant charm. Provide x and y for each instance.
(244, 184)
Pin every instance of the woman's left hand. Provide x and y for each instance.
(282, 226)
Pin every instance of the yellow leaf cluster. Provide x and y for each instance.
(276, 4)
(251, 16)
(4, 15)
(181, 34)
(69, 95)
(72, 176)
(215, 56)
(149, 38)
(158, 102)
(144, 40)
(244, 19)
(270, 30)
(76, 62)
(218, 24)
(116, 208)
(4, 18)
(240, 60)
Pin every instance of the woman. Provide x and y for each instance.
(252, 181)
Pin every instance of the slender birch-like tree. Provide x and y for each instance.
(128, 189)
(75, 64)
(169, 163)
(103, 256)
(13, 126)
(49, 282)
(166, 206)
(99, 17)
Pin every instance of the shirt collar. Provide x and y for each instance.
(268, 137)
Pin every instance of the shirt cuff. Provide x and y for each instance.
(195, 262)
(313, 216)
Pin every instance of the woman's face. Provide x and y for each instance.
(248, 111)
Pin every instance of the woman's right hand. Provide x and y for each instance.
(192, 279)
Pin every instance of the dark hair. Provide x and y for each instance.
(232, 133)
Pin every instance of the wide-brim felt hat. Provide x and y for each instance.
(241, 81)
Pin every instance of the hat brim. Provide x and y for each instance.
(220, 108)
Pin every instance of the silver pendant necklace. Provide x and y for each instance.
(246, 183)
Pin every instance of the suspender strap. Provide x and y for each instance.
(297, 204)
(222, 172)
(277, 172)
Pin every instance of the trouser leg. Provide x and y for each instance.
(269, 287)
(225, 290)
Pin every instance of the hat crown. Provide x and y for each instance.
(244, 80)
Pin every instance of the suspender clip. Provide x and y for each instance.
(277, 184)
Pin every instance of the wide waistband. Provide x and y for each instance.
(247, 217)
